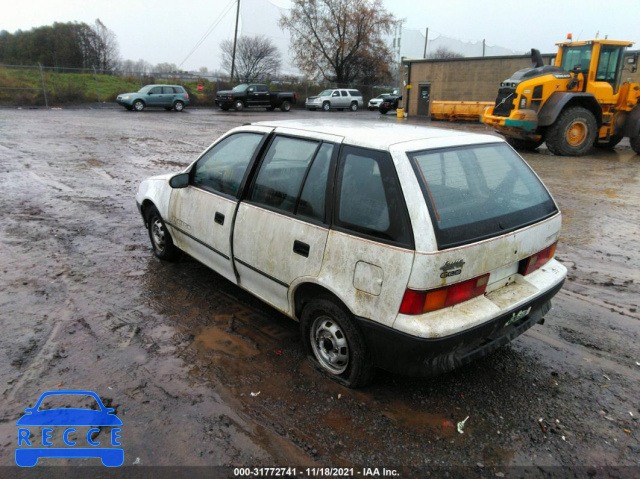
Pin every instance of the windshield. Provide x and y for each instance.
(240, 88)
(576, 57)
(325, 93)
(145, 89)
(479, 191)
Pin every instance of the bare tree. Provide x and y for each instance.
(107, 50)
(256, 57)
(330, 38)
(443, 53)
(165, 68)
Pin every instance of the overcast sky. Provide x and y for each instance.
(168, 31)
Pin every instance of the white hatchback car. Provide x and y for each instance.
(412, 249)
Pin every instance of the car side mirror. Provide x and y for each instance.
(150, 93)
(180, 180)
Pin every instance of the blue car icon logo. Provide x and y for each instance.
(28, 453)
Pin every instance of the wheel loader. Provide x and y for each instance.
(578, 102)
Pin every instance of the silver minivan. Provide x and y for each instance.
(339, 99)
(407, 248)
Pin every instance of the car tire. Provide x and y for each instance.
(573, 133)
(138, 105)
(353, 106)
(334, 344)
(238, 106)
(383, 111)
(286, 106)
(326, 106)
(161, 240)
(635, 143)
(178, 106)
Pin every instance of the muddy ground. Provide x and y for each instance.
(203, 374)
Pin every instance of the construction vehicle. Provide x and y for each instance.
(579, 102)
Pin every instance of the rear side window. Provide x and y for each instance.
(370, 201)
(480, 191)
(168, 89)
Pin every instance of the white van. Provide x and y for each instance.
(407, 248)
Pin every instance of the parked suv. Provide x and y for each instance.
(339, 99)
(409, 248)
(168, 96)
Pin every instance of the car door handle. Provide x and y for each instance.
(219, 218)
(301, 248)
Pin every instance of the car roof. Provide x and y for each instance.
(379, 134)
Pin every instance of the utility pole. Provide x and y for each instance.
(235, 40)
(426, 38)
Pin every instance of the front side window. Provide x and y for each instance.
(222, 168)
(156, 90)
(282, 172)
(479, 191)
(370, 200)
(609, 63)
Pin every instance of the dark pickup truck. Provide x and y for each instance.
(255, 95)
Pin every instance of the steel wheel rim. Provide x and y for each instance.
(329, 344)
(157, 234)
(577, 133)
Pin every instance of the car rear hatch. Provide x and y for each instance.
(495, 227)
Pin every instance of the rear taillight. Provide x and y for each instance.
(536, 261)
(420, 302)
(186, 95)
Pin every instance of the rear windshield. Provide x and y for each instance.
(479, 191)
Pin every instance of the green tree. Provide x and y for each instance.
(340, 40)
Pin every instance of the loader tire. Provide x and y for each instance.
(573, 133)
(635, 143)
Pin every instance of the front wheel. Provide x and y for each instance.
(161, 241)
(334, 344)
(138, 105)
(635, 143)
(573, 133)
(354, 106)
(286, 106)
(238, 106)
(326, 106)
(520, 144)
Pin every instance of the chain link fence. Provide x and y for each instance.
(41, 86)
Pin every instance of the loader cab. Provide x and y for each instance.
(599, 62)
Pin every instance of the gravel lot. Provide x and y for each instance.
(181, 354)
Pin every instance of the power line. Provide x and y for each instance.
(209, 30)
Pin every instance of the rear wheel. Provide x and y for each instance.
(326, 106)
(383, 110)
(334, 344)
(161, 241)
(520, 144)
(286, 106)
(635, 143)
(573, 133)
(179, 106)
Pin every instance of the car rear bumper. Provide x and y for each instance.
(409, 355)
